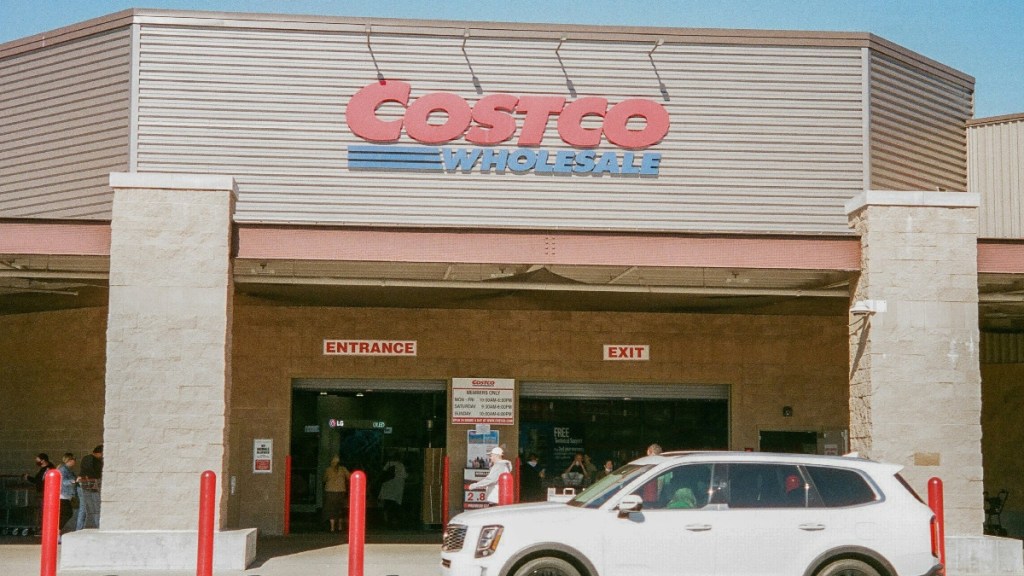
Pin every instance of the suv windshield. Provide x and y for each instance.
(600, 491)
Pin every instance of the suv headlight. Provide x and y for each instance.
(487, 543)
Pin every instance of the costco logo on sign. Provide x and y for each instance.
(497, 118)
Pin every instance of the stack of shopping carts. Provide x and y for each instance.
(19, 507)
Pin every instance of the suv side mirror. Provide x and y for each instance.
(628, 504)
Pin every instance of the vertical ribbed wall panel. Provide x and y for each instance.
(918, 128)
(1002, 348)
(763, 138)
(64, 122)
(997, 174)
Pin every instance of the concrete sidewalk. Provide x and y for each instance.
(300, 555)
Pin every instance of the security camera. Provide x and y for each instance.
(862, 308)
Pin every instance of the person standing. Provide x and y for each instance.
(576, 475)
(39, 481)
(654, 450)
(498, 467)
(588, 463)
(392, 490)
(335, 490)
(67, 489)
(532, 481)
(89, 482)
(609, 467)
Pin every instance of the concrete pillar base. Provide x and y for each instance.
(984, 556)
(153, 550)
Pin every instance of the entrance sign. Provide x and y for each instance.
(262, 456)
(583, 124)
(483, 401)
(628, 352)
(369, 347)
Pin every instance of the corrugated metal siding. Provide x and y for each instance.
(64, 113)
(763, 139)
(997, 174)
(918, 129)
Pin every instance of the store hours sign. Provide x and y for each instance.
(483, 401)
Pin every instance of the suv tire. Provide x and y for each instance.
(848, 567)
(547, 566)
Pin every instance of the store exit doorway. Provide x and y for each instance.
(617, 422)
(369, 426)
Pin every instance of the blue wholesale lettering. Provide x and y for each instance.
(566, 162)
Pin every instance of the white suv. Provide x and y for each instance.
(704, 513)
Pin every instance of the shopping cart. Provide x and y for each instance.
(993, 513)
(19, 507)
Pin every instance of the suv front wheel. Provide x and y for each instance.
(848, 567)
(547, 566)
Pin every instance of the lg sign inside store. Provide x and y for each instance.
(315, 234)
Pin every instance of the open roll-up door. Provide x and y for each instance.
(359, 385)
(618, 390)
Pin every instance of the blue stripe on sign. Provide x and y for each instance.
(394, 158)
(357, 165)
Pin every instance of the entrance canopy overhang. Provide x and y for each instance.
(53, 265)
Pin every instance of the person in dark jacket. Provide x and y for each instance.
(89, 481)
(532, 483)
(37, 479)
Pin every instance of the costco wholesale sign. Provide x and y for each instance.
(497, 118)
(483, 401)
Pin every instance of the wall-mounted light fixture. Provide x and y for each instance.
(560, 42)
(863, 308)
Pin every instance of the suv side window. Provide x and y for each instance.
(762, 485)
(840, 486)
(680, 488)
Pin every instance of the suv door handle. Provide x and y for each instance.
(812, 527)
(698, 527)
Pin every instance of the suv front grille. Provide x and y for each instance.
(454, 537)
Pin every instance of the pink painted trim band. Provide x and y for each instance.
(55, 238)
(285, 243)
(1000, 257)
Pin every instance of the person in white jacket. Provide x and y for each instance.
(498, 467)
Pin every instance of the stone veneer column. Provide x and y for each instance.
(915, 381)
(168, 370)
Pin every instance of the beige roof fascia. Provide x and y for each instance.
(388, 26)
(1019, 117)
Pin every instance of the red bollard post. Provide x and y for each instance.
(51, 523)
(445, 483)
(287, 494)
(204, 551)
(939, 528)
(505, 489)
(356, 522)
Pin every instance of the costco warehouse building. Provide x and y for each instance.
(246, 243)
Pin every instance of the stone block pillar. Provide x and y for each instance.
(168, 371)
(915, 380)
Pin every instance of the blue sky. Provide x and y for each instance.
(984, 38)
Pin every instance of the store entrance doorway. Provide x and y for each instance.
(370, 426)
